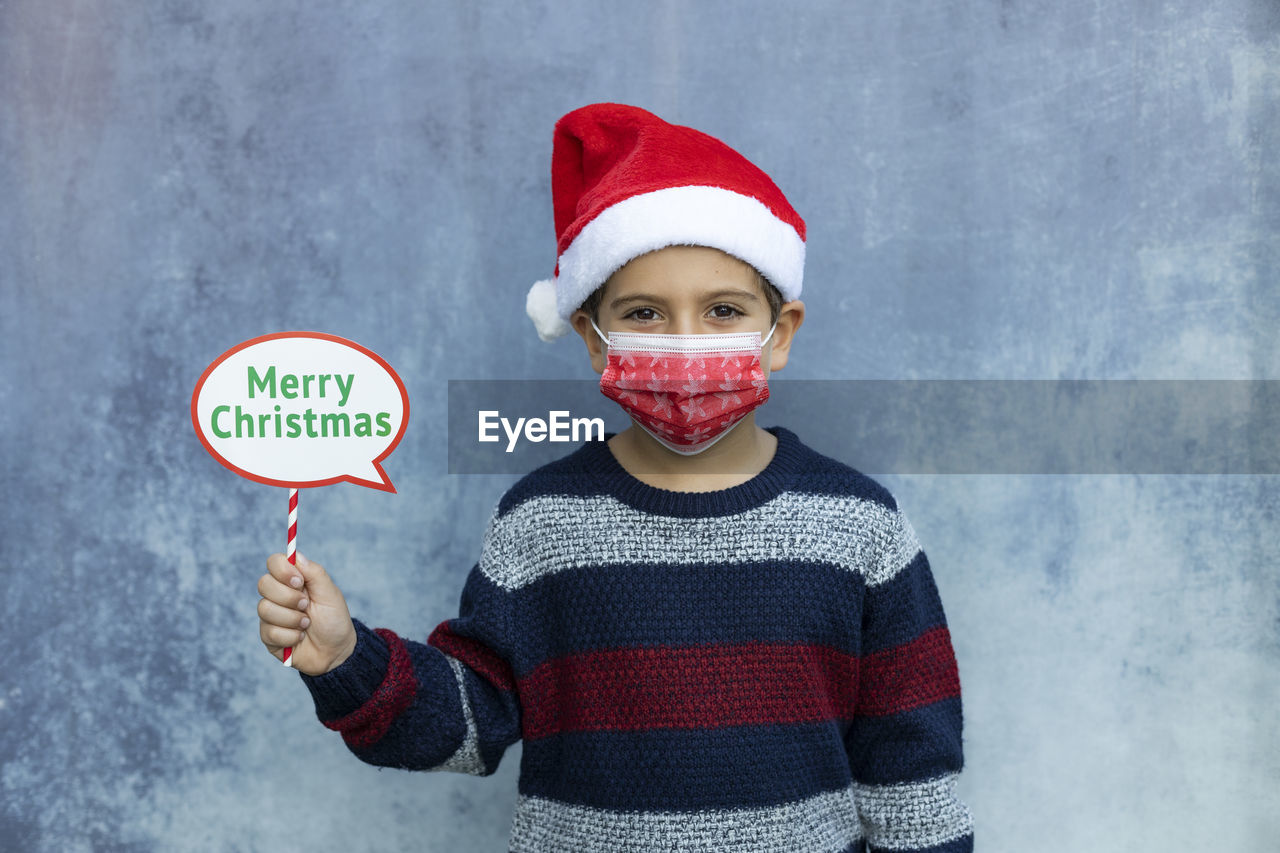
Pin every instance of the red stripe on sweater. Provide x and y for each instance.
(733, 685)
(369, 723)
(699, 687)
(475, 654)
(909, 676)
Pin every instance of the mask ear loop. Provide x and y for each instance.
(598, 332)
(770, 335)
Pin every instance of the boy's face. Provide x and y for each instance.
(688, 290)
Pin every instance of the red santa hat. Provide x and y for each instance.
(624, 182)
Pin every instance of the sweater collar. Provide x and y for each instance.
(772, 481)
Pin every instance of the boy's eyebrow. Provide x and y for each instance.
(715, 294)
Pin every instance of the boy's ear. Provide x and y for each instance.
(790, 318)
(581, 322)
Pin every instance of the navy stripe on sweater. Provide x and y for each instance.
(918, 744)
(681, 769)
(592, 470)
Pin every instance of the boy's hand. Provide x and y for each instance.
(303, 608)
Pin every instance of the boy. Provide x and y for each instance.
(708, 636)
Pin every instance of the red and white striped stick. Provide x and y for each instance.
(292, 553)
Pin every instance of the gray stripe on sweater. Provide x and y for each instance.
(913, 815)
(557, 532)
(826, 823)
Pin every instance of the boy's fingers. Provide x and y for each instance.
(284, 571)
(273, 590)
(306, 572)
(274, 636)
(282, 617)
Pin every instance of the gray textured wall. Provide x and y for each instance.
(1015, 189)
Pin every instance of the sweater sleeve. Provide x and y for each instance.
(904, 743)
(447, 704)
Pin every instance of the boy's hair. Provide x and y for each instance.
(771, 294)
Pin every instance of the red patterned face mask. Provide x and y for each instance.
(687, 391)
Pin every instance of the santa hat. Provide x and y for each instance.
(624, 182)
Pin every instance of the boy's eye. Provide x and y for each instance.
(725, 312)
(636, 314)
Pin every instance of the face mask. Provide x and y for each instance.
(687, 391)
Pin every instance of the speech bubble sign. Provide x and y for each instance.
(301, 409)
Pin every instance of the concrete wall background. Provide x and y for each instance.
(1015, 189)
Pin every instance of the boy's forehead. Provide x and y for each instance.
(638, 292)
(687, 268)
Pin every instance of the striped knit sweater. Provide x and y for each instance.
(762, 668)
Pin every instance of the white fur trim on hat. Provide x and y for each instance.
(732, 222)
(540, 305)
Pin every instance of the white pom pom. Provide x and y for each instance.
(540, 305)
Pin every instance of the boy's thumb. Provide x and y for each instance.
(313, 574)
